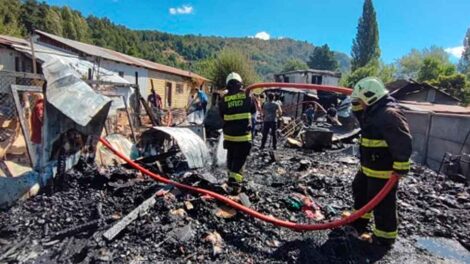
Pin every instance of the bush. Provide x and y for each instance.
(231, 60)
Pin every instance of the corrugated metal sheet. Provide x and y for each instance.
(70, 95)
(191, 145)
(119, 57)
(436, 108)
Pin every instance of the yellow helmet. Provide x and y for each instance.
(369, 90)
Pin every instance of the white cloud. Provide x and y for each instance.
(182, 10)
(263, 35)
(455, 51)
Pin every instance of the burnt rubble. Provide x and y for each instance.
(67, 225)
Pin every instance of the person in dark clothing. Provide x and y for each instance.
(270, 112)
(310, 114)
(236, 109)
(385, 148)
(155, 102)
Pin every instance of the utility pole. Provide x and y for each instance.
(31, 42)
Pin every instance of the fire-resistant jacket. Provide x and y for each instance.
(236, 110)
(386, 140)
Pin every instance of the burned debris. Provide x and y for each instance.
(74, 224)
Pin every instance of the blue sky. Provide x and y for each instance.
(403, 24)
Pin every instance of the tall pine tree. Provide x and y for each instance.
(465, 60)
(365, 48)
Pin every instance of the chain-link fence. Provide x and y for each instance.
(15, 128)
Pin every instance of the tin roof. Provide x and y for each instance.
(401, 88)
(313, 71)
(44, 53)
(118, 57)
(435, 108)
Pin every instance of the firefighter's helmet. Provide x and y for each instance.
(234, 76)
(369, 90)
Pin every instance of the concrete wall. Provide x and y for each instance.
(435, 134)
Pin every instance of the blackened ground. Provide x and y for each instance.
(67, 225)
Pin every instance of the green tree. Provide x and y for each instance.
(410, 64)
(323, 58)
(365, 48)
(232, 60)
(69, 27)
(9, 18)
(383, 71)
(204, 67)
(349, 80)
(53, 22)
(294, 65)
(432, 68)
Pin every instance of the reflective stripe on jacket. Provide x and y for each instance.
(236, 109)
(386, 140)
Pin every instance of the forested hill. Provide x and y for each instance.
(19, 18)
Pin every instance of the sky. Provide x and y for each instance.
(403, 24)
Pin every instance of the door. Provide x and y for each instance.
(168, 94)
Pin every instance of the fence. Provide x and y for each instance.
(435, 134)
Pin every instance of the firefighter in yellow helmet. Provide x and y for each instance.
(385, 148)
(236, 109)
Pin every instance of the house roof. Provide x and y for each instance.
(435, 108)
(401, 88)
(44, 54)
(314, 71)
(118, 57)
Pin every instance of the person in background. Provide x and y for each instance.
(270, 112)
(236, 108)
(155, 102)
(332, 116)
(310, 114)
(37, 119)
(202, 96)
(256, 101)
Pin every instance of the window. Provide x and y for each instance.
(17, 64)
(317, 79)
(121, 74)
(179, 88)
(286, 79)
(168, 94)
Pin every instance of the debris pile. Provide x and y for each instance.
(119, 215)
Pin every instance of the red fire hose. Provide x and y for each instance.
(278, 222)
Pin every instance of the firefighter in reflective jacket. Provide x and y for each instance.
(385, 148)
(236, 109)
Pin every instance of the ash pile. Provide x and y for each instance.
(118, 215)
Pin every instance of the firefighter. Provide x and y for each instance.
(236, 109)
(385, 148)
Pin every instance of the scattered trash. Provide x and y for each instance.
(181, 213)
(225, 212)
(217, 242)
(348, 160)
